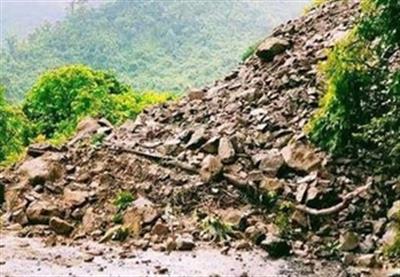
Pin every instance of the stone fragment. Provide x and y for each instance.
(275, 246)
(366, 260)
(185, 243)
(42, 169)
(195, 94)
(301, 157)
(272, 185)
(349, 241)
(300, 218)
(226, 151)
(160, 229)
(197, 138)
(394, 212)
(211, 146)
(60, 226)
(90, 221)
(271, 162)
(40, 212)
(74, 198)
(211, 168)
(271, 47)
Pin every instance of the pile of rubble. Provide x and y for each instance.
(227, 164)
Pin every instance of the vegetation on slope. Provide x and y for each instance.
(60, 99)
(360, 112)
(156, 45)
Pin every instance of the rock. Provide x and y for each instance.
(211, 168)
(226, 152)
(185, 243)
(301, 157)
(300, 218)
(160, 229)
(243, 245)
(211, 146)
(20, 217)
(394, 212)
(195, 94)
(271, 162)
(272, 185)
(366, 260)
(73, 198)
(233, 217)
(133, 220)
(146, 208)
(275, 246)
(142, 212)
(197, 138)
(60, 226)
(90, 221)
(118, 232)
(85, 129)
(170, 245)
(271, 47)
(390, 236)
(256, 233)
(301, 192)
(349, 241)
(42, 169)
(40, 212)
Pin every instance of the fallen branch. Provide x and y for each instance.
(337, 208)
(165, 160)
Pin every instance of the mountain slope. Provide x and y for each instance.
(161, 45)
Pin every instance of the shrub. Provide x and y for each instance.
(360, 112)
(123, 200)
(63, 96)
(13, 130)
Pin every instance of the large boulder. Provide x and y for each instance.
(42, 169)
(301, 157)
(40, 212)
(60, 226)
(271, 47)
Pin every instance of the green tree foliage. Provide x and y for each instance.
(12, 129)
(63, 96)
(361, 109)
(156, 45)
(60, 99)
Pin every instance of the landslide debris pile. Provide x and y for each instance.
(228, 164)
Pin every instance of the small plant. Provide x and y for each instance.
(249, 51)
(123, 200)
(97, 140)
(118, 218)
(218, 229)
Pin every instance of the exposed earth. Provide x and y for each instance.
(228, 165)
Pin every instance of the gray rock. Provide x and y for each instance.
(301, 157)
(271, 47)
(211, 168)
(275, 246)
(185, 243)
(40, 212)
(226, 152)
(349, 241)
(60, 226)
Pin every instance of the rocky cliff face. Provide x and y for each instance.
(228, 162)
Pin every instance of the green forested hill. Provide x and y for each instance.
(160, 45)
